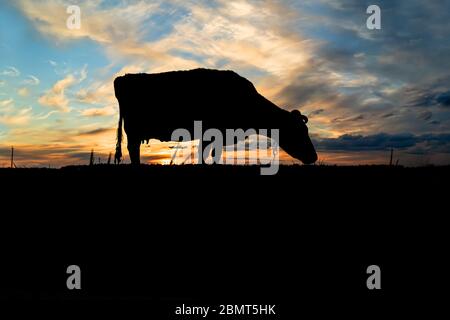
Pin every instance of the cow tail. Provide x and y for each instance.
(118, 156)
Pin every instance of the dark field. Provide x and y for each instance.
(158, 235)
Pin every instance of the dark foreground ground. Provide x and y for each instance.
(151, 238)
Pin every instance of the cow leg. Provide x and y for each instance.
(134, 146)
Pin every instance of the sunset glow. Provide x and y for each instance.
(364, 91)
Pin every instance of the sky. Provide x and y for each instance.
(364, 91)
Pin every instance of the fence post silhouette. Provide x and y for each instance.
(12, 158)
(392, 156)
(91, 160)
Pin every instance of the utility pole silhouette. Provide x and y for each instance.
(109, 159)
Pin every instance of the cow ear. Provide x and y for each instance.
(299, 117)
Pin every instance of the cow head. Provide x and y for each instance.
(295, 139)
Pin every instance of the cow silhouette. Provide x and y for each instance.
(152, 106)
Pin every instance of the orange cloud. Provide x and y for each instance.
(55, 97)
(98, 112)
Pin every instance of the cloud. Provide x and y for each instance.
(388, 115)
(2, 83)
(23, 92)
(83, 73)
(382, 141)
(251, 39)
(114, 26)
(425, 115)
(98, 112)
(248, 34)
(374, 83)
(55, 97)
(94, 132)
(10, 72)
(31, 80)
(316, 56)
(46, 115)
(6, 103)
(100, 92)
(315, 112)
(16, 118)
